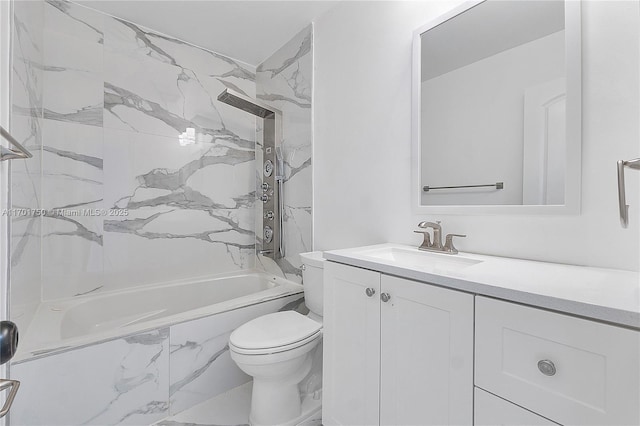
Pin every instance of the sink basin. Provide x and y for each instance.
(424, 260)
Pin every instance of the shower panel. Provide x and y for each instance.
(272, 170)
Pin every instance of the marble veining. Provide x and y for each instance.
(115, 97)
(130, 123)
(176, 386)
(179, 163)
(180, 68)
(26, 127)
(200, 350)
(69, 17)
(92, 161)
(27, 60)
(78, 229)
(72, 182)
(91, 115)
(129, 386)
(304, 42)
(73, 63)
(284, 80)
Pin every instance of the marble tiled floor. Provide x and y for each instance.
(228, 409)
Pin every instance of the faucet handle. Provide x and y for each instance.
(426, 242)
(448, 244)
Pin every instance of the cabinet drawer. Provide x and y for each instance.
(489, 410)
(570, 370)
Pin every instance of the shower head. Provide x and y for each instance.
(245, 103)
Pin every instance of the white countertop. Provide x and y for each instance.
(603, 294)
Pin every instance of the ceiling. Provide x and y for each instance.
(485, 30)
(249, 31)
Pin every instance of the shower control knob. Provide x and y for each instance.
(268, 234)
(268, 168)
(264, 198)
(269, 215)
(370, 291)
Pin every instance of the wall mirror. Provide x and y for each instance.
(497, 109)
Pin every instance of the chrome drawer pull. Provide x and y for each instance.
(385, 297)
(546, 367)
(370, 291)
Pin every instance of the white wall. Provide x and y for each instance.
(362, 141)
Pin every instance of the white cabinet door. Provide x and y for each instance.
(426, 355)
(489, 410)
(351, 382)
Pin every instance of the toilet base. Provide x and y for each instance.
(311, 406)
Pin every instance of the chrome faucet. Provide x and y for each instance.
(435, 243)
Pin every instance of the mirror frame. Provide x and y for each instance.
(573, 173)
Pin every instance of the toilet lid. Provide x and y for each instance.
(274, 330)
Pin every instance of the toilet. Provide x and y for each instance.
(282, 351)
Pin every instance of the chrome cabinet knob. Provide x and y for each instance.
(546, 367)
(385, 297)
(370, 291)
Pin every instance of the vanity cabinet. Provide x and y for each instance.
(571, 370)
(550, 344)
(423, 375)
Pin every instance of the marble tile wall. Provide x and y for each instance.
(284, 81)
(146, 176)
(123, 381)
(26, 126)
(137, 379)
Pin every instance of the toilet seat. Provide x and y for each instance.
(273, 333)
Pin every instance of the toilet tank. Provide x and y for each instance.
(312, 276)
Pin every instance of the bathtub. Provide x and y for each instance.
(84, 320)
(137, 356)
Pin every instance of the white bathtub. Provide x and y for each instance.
(79, 321)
